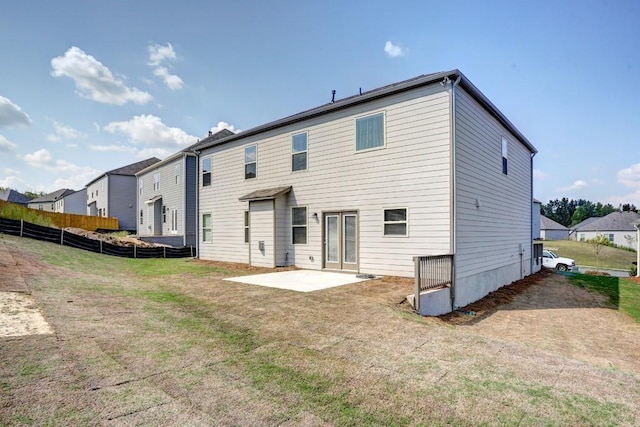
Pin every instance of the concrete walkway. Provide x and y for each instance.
(299, 280)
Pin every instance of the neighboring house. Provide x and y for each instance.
(617, 227)
(573, 235)
(167, 195)
(48, 201)
(535, 219)
(427, 166)
(551, 230)
(114, 194)
(14, 196)
(72, 203)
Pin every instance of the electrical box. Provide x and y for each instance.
(261, 245)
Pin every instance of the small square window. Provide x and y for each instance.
(206, 171)
(370, 132)
(395, 222)
(299, 225)
(250, 162)
(299, 152)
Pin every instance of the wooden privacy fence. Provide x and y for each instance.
(62, 220)
(54, 235)
(432, 272)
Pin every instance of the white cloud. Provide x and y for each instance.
(113, 147)
(6, 146)
(538, 174)
(159, 53)
(394, 50)
(11, 114)
(577, 185)
(224, 125)
(172, 81)
(95, 81)
(149, 131)
(158, 56)
(630, 177)
(65, 132)
(74, 176)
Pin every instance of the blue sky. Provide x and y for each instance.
(88, 86)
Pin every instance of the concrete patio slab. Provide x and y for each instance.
(299, 280)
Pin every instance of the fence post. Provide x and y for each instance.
(164, 252)
(21, 226)
(62, 237)
(191, 250)
(100, 246)
(134, 252)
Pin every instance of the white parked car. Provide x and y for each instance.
(551, 260)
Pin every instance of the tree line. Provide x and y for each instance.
(569, 212)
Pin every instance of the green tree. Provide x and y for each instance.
(34, 194)
(597, 243)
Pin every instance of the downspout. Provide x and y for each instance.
(197, 153)
(183, 182)
(532, 231)
(454, 225)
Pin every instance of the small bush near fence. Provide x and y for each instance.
(54, 235)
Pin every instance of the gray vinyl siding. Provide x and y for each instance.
(489, 237)
(412, 171)
(122, 200)
(180, 196)
(75, 203)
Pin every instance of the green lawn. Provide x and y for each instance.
(622, 293)
(584, 254)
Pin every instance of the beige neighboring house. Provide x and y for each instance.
(426, 166)
(617, 227)
(48, 201)
(551, 230)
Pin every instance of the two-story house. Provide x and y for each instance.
(166, 198)
(114, 194)
(426, 166)
(48, 201)
(73, 203)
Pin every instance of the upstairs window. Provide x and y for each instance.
(299, 152)
(396, 222)
(370, 132)
(177, 173)
(250, 162)
(156, 181)
(299, 225)
(206, 171)
(141, 216)
(504, 155)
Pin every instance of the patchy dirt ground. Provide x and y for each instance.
(192, 349)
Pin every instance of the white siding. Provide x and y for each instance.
(489, 237)
(618, 237)
(412, 171)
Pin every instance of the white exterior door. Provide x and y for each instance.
(341, 241)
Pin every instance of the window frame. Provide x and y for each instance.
(141, 217)
(254, 162)
(305, 225)
(205, 172)
(295, 153)
(405, 222)
(177, 171)
(209, 228)
(505, 155)
(247, 227)
(383, 114)
(174, 221)
(156, 181)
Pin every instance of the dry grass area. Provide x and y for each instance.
(180, 346)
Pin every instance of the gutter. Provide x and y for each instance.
(454, 224)
(531, 215)
(197, 154)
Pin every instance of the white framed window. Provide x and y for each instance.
(177, 174)
(250, 162)
(370, 132)
(246, 226)
(206, 171)
(140, 186)
(610, 237)
(299, 225)
(582, 237)
(505, 145)
(299, 152)
(164, 214)
(156, 181)
(141, 216)
(207, 228)
(396, 222)
(174, 221)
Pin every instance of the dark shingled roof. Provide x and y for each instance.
(549, 224)
(14, 196)
(266, 194)
(615, 221)
(128, 170)
(52, 197)
(392, 89)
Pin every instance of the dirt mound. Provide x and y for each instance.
(113, 238)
